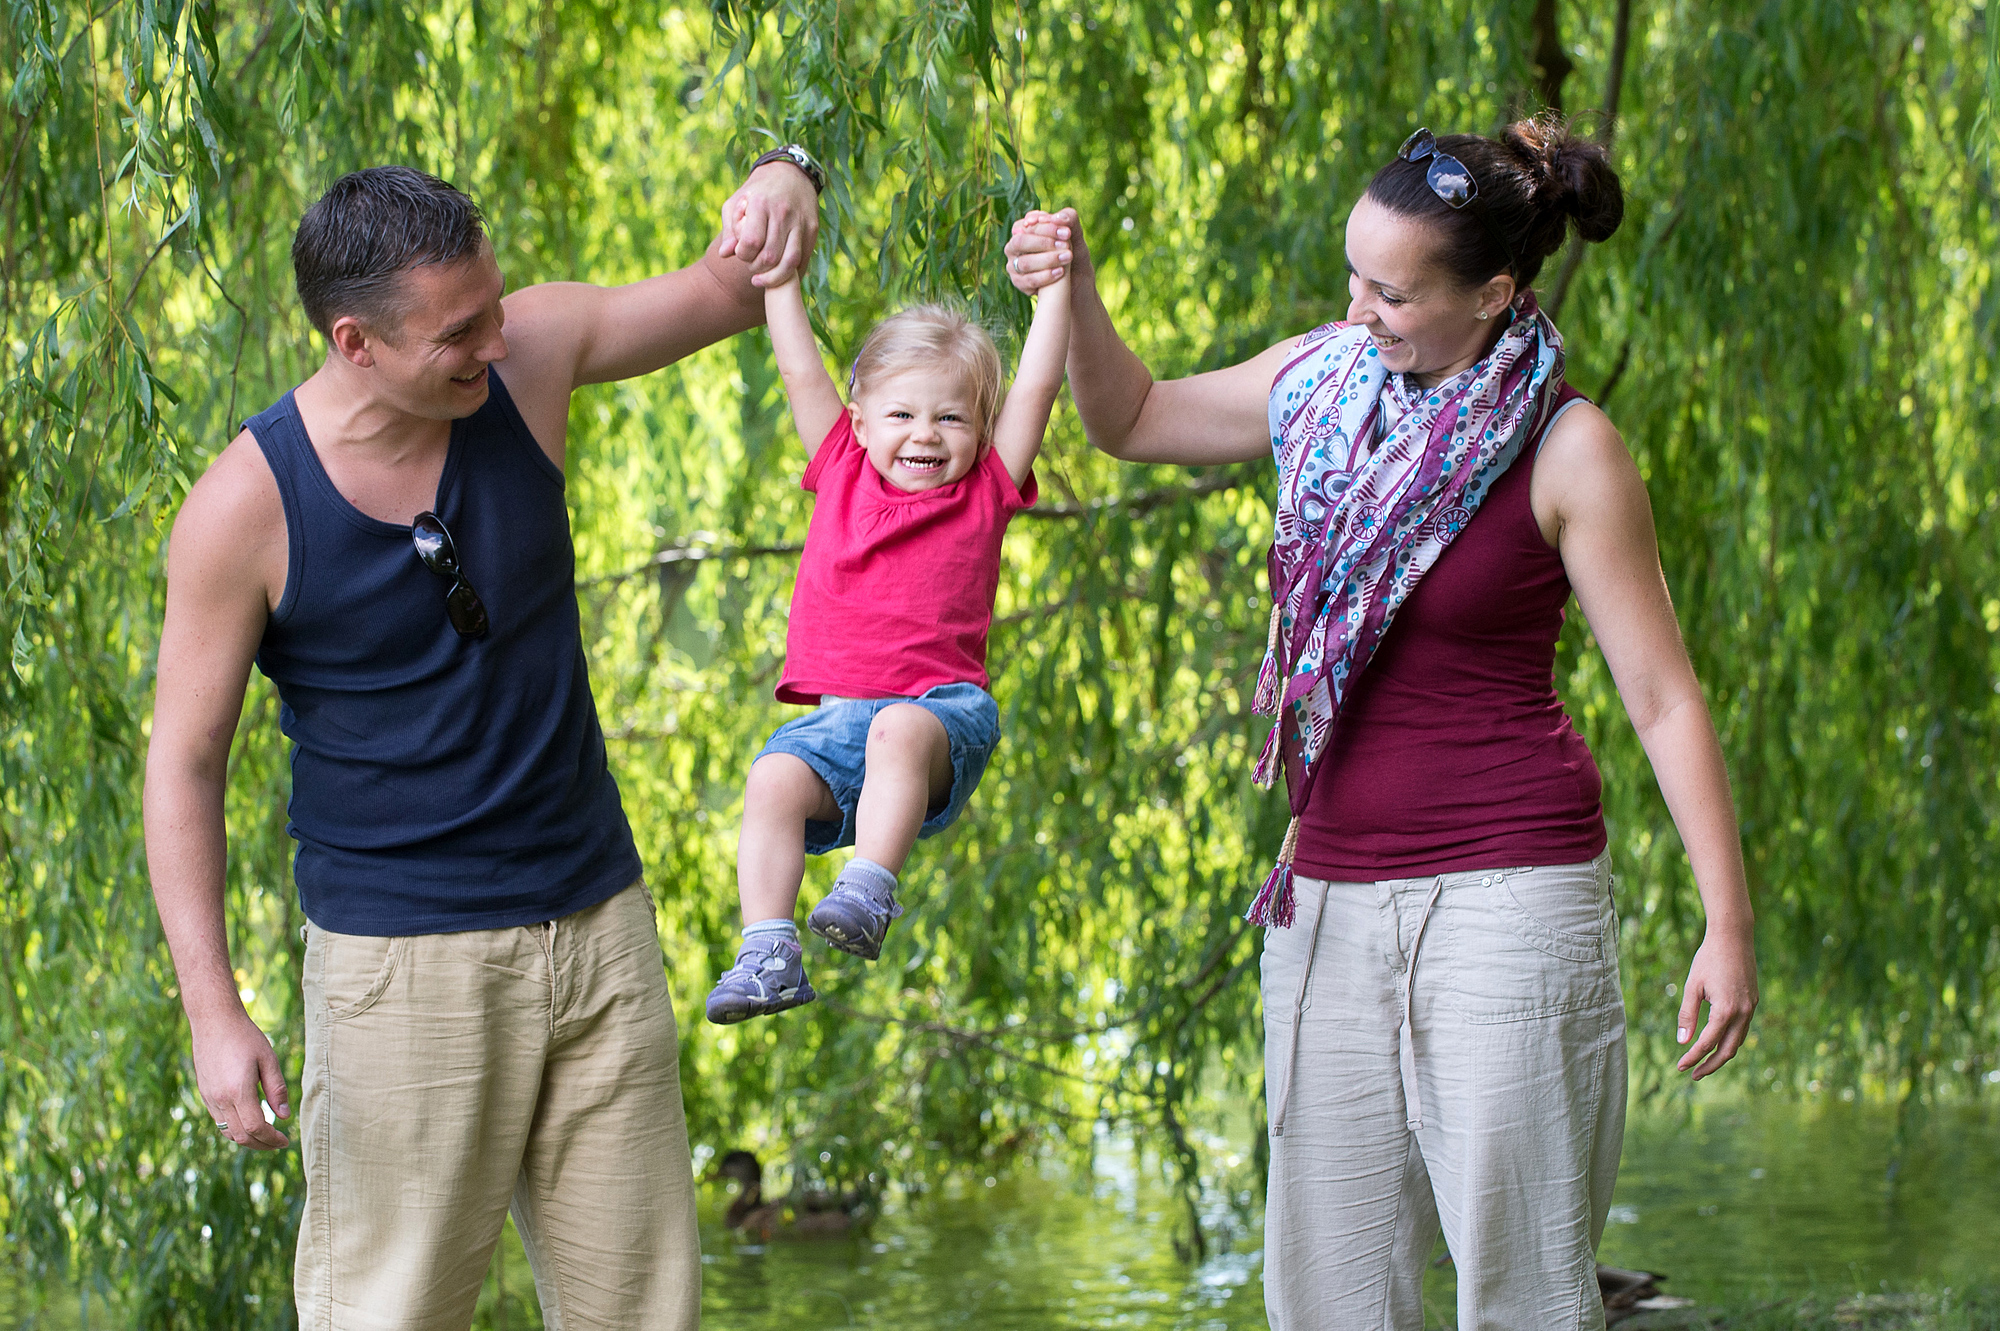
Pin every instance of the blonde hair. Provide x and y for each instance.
(922, 337)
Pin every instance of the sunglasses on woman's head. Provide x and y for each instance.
(1452, 181)
(440, 555)
(1447, 176)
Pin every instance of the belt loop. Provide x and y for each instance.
(1298, 1007)
(1406, 1044)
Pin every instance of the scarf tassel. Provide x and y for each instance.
(1275, 905)
(1265, 774)
(1264, 702)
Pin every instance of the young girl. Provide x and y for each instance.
(914, 481)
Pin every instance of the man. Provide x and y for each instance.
(487, 1018)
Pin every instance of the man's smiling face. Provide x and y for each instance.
(433, 364)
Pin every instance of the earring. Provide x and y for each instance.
(1482, 314)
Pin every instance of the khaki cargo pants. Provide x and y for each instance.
(1444, 1051)
(449, 1076)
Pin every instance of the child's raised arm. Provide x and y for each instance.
(1024, 418)
(816, 403)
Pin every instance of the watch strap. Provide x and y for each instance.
(800, 158)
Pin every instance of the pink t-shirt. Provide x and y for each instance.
(895, 590)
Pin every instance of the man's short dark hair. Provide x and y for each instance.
(369, 227)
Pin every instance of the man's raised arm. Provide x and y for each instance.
(562, 335)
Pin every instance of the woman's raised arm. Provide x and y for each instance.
(1202, 420)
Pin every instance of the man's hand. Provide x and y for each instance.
(236, 1070)
(771, 223)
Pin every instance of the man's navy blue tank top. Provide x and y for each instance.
(439, 783)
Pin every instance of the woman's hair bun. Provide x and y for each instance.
(1573, 175)
(1535, 178)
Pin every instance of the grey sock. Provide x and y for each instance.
(867, 873)
(771, 929)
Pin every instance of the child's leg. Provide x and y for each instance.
(781, 795)
(909, 774)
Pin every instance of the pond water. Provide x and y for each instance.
(1766, 1198)
(1737, 1200)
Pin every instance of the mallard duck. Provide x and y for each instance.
(1627, 1293)
(814, 1214)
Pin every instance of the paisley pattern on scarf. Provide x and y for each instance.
(1364, 511)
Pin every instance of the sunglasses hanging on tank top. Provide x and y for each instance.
(440, 555)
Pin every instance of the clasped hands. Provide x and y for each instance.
(772, 223)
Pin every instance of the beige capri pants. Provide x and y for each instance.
(451, 1077)
(1443, 1051)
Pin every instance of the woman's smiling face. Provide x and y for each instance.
(1423, 323)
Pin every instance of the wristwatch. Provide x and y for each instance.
(799, 158)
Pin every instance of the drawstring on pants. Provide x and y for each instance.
(1406, 1048)
(1298, 1010)
(1406, 1044)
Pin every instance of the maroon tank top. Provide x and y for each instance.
(1454, 751)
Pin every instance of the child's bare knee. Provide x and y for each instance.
(904, 728)
(780, 781)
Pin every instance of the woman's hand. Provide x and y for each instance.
(1045, 247)
(1724, 976)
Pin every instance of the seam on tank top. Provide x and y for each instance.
(1543, 438)
(341, 506)
(295, 533)
(454, 463)
(517, 424)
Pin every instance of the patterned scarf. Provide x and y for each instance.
(1357, 529)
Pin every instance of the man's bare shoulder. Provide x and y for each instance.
(238, 487)
(231, 527)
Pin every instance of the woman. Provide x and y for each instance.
(1444, 1031)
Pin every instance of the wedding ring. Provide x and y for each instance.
(222, 1125)
(1017, 265)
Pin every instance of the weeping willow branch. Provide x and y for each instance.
(1607, 129)
(1142, 501)
(1552, 62)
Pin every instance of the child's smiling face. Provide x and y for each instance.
(918, 428)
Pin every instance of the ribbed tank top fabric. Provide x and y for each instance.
(1454, 752)
(439, 783)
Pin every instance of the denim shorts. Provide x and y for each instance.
(832, 739)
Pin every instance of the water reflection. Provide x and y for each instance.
(1738, 1201)
(1031, 1250)
(1765, 1199)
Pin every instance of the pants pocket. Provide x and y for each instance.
(1563, 911)
(1283, 961)
(351, 971)
(1528, 944)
